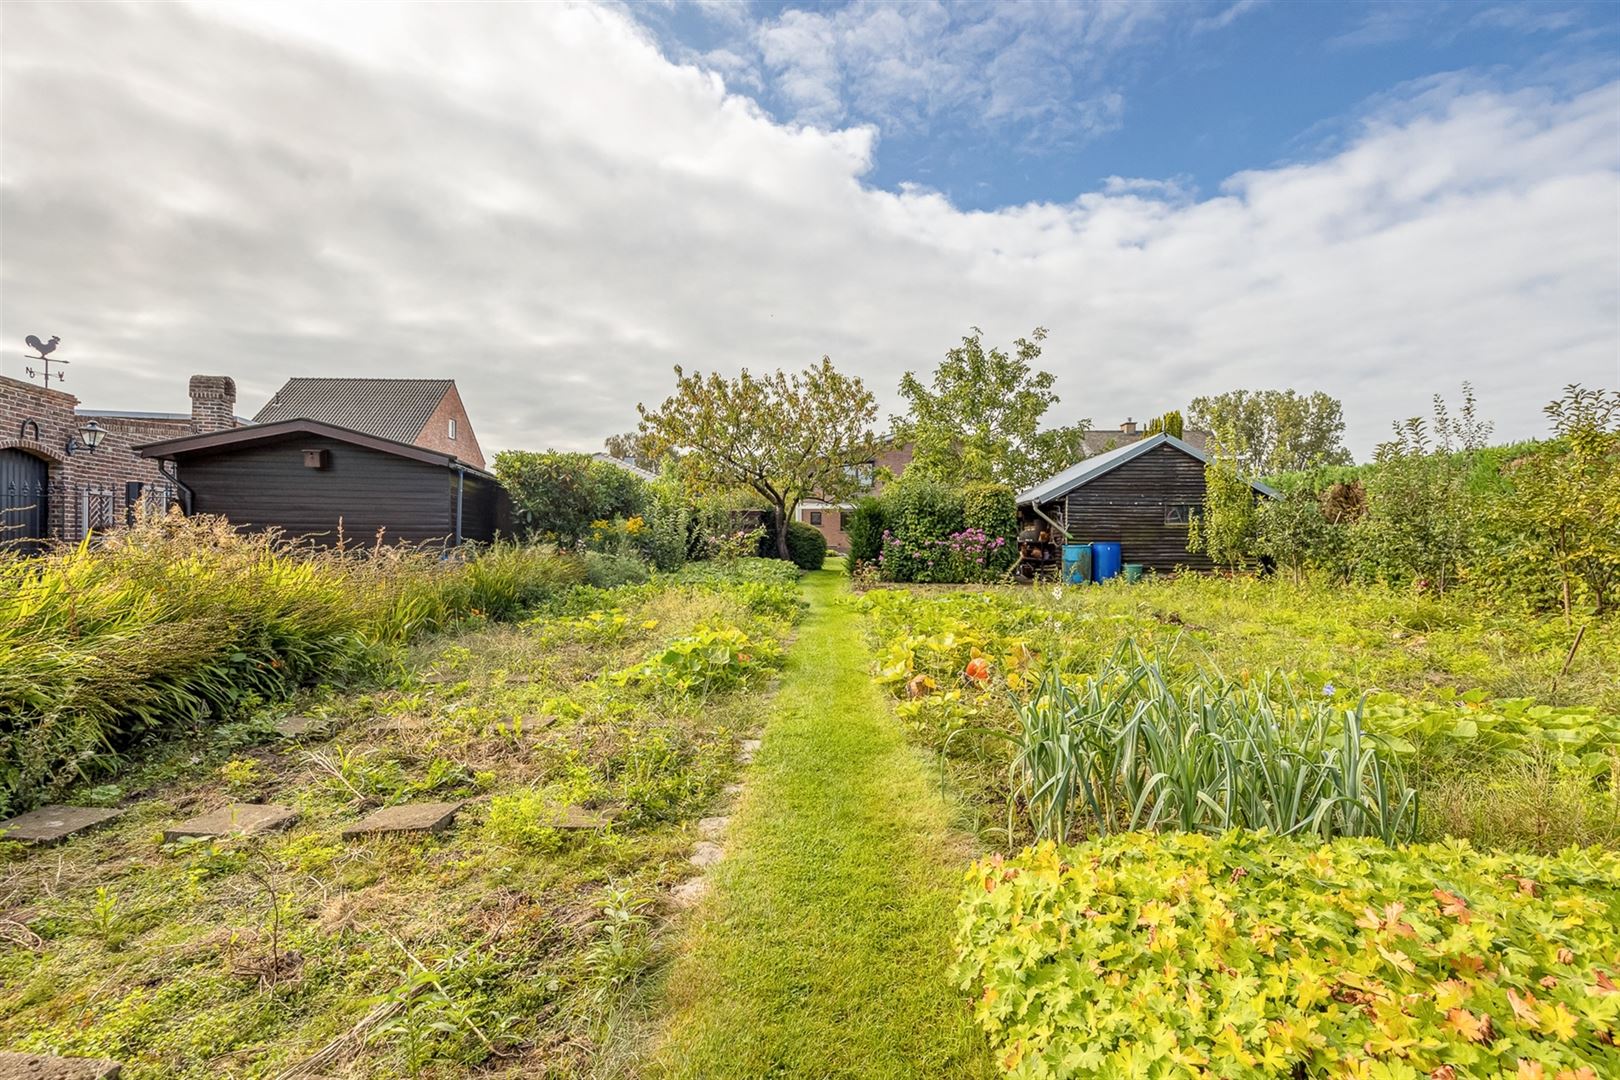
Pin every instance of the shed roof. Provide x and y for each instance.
(395, 409)
(255, 433)
(1084, 472)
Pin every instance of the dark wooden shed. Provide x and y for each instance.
(305, 476)
(1142, 496)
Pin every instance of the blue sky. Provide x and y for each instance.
(1001, 104)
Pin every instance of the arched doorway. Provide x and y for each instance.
(24, 499)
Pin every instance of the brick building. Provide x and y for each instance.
(52, 484)
(829, 516)
(420, 412)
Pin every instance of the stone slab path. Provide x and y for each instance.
(429, 817)
(237, 819)
(47, 1067)
(53, 824)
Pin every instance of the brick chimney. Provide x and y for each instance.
(213, 403)
(1127, 428)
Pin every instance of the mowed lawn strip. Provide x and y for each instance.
(822, 949)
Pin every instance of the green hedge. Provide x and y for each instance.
(864, 527)
(1248, 955)
(806, 546)
(993, 510)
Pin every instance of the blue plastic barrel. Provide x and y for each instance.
(1076, 563)
(1106, 558)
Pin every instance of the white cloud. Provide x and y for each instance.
(536, 202)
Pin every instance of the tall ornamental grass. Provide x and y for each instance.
(1137, 747)
(179, 622)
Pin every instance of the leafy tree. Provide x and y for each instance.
(1291, 531)
(1568, 494)
(632, 447)
(993, 510)
(979, 420)
(1419, 520)
(1225, 531)
(1273, 431)
(785, 437)
(1171, 423)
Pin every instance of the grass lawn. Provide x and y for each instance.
(823, 947)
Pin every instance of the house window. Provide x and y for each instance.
(815, 517)
(843, 521)
(1180, 514)
(452, 427)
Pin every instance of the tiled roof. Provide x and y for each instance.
(395, 409)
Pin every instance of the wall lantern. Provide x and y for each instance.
(92, 434)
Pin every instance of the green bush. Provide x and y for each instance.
(668, 519)
(864, 527)
(608, 571)
(993, 510)
(1249, 955)
(559, 496)
(921, 515)
(806, 545)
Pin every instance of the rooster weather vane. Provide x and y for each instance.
(44, 349)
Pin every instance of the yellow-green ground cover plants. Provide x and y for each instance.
(1141, 933)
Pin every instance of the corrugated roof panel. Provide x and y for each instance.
(395, 409)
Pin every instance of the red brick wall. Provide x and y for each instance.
(108, 468)
(831, 526)
(436, 433)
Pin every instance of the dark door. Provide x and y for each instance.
(23, 494)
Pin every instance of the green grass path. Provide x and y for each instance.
(822, 949)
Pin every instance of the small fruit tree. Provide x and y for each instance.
(785, 437)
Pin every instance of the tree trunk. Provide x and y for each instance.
(782, 551)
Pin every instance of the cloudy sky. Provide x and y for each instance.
(556, 203)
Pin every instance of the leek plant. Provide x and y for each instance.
(1136, 746)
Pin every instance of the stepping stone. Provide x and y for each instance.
(688, 893)
(519, 679)
(710, 828)
(749, 748)
(706, 854)
(49, 1067)
(426, 817)
(733, 790)
(296, 727)
(237, 819)
(52, 824)
(577, 817)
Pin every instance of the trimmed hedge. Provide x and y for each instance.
(1248, 955)
(806, 546)
(864, 527)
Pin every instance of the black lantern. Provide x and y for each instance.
(88, 438)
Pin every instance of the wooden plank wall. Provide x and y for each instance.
(1127, 505)
(267, 485)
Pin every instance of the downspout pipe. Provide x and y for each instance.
(461, 488)
(1042, 514)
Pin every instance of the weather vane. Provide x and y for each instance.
(44, 348)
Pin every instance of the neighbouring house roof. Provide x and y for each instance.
(1092, 467)
(396, 409)
(256, 433)
(1100, 440)
(628, 466)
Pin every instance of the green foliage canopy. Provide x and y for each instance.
(1272, 431)
(786, 437)
(979, 420)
